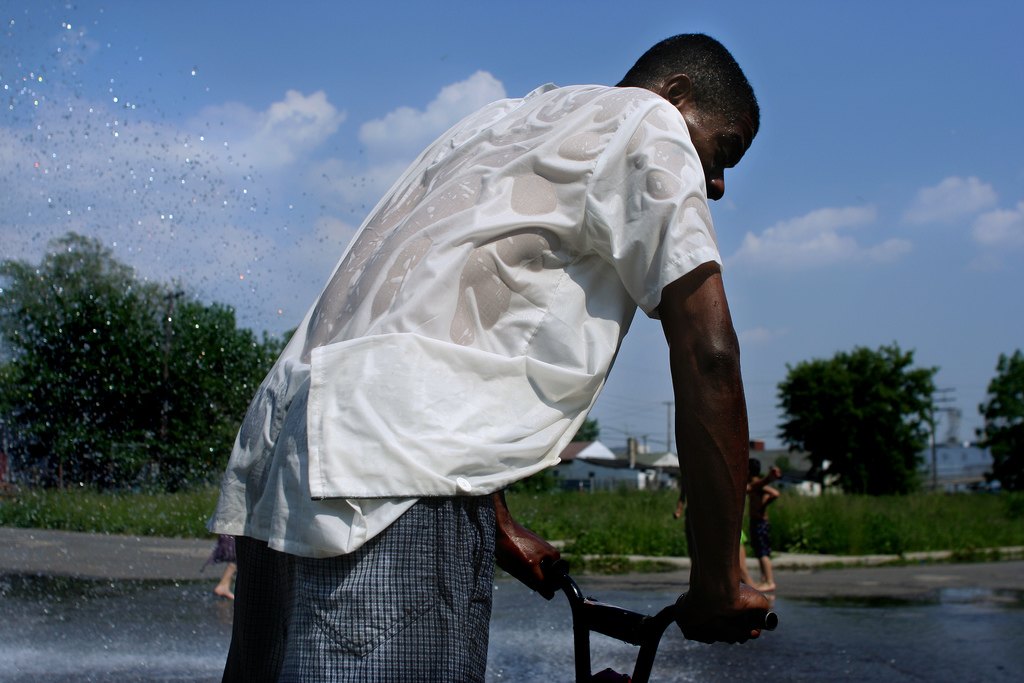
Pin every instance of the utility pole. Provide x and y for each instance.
(945, 399)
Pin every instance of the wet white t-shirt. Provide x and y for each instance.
(470, 325)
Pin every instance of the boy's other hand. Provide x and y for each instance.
(734, 621)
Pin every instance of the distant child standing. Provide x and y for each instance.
(762, 495)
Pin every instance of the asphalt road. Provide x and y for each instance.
(101, 556)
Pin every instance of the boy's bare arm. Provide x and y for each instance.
(774, 474)
(519, 551)
(711, 421)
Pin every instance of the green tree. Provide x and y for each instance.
(865, 412)
(588, 431)
(112, 381)
(80, 334)
(1003, 412)
(212, 370)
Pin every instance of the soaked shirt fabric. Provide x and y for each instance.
(471, 322)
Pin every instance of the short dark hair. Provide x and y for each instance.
(753, 467)
(719, 85)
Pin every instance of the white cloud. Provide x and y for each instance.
(276, 137)
(952, 199)
(1001, 228)
(205, 202)
(760, 335)
(269, 277)
(173, 200)
(405, 130)
(393, 140)
(815, 240)
(987, 262)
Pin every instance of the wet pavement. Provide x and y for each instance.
(140, 610)
(111, 556)
(955, 637)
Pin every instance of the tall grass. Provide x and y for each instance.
(641, 523)
(182, 515)
(857, 525)
(604, 522)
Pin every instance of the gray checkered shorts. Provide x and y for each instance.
(412, 604)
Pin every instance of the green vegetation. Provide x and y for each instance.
(175, 515)
(1004, 421)
(590, 430)
(613, 524)
(116, 382)
(639, 523)
(857, 525)
(866, 413)
(604, 522)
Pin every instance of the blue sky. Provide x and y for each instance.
(236, 146)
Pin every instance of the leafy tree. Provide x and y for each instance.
(80, 334)
(112, 381)
(865, 412)
(1003, 431)
(212, 369)
(588, 431)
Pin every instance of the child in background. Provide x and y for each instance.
(762, 495)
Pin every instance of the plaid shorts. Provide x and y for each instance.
(412, 604)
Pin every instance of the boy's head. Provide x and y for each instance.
(753, 468)
(699, 77)
(719, 84)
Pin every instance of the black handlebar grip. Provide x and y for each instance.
(771, 621)
(556, 569)
(555, 576)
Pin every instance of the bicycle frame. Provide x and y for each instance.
(622, 624)
(616, 622)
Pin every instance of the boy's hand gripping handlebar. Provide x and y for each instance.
(616, 622)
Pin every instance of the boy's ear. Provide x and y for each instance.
(677, 89)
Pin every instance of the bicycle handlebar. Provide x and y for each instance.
(617, 619)
(622, 624)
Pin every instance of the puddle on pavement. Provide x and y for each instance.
(941, 596)
(1003, 598)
